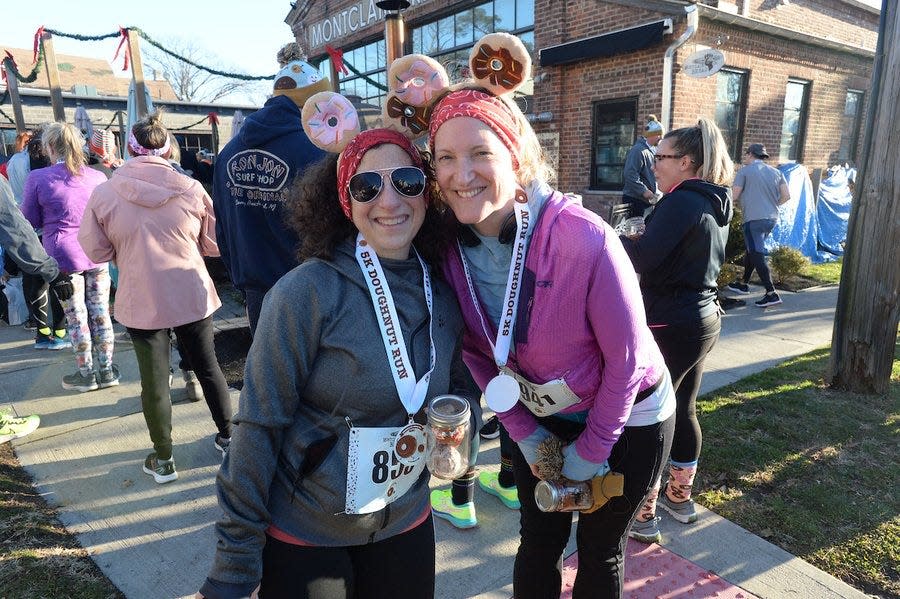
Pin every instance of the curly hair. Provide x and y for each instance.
(314, 212)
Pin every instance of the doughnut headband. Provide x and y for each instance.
(332, 123)
(419, 101)
(138, 150)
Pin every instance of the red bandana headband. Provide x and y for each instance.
(352, 155)
(485, 107)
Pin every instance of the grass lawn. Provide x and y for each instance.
(826, 272)
(38, 557)
(814, 471)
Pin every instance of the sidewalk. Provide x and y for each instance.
(157, 540)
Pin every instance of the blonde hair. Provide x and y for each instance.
(65, 142)
(706, 147)
(532, 160)
(174, 149)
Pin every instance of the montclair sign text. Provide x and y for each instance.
(347, 21)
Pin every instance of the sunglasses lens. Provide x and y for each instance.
(364, 187)
(408, 181)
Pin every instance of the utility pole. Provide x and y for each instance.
(868, 306)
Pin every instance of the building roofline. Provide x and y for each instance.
(31, 91)
(720, 16)
(863, 6)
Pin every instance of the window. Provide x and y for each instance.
(369, 61)
(731, 96)
(793, 127)
(614, 124)
(850, 125)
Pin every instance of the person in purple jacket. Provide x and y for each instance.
(556, 335)
(54, 200)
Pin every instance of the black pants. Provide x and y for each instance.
(601, 536)
(43, 305)
(253, 298)
(684, 348)
(152, 350)
(402, 566)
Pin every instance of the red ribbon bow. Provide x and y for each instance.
(124, 33)
(37, 40)
(337, 59)
(213, 118)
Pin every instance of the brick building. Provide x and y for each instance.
(795, 74)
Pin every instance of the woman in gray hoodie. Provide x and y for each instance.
(349, 347)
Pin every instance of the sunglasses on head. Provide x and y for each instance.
(408, 181)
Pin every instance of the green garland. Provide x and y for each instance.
(7, 117)
(5, 96)
(82, 38)
(366, 78)
(204, 119)
(34, 72)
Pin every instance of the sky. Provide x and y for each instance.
(242, 37)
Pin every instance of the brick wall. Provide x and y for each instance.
(828, 19)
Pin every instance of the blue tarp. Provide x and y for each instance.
(833, 213)
(817, 228)
(796, 226)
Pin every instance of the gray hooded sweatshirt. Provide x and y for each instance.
(318, 359)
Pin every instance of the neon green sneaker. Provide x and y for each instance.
(15, 428)
(460, 516)
(489, 481)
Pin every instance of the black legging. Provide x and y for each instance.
(153, 352)
(401, 566)
(43, 304)
(684, 348)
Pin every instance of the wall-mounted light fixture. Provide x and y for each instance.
(541, 77)
(540, 117)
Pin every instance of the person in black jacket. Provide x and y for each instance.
(678, 258)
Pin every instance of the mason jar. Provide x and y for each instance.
(569, 496)
(448, 436)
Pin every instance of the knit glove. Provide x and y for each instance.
(576, 467)
(529, 444)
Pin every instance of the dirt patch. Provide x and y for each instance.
(232, 346)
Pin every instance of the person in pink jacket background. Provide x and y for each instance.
(54, 200)
(157, 224)
(552, 305)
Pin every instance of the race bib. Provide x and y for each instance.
(546, 399)
(383, 464)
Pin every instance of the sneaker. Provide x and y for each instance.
(30, 325)
(739, 287)
(460, 516)
(769, 299)
(192, 385)
(491, 428)
(685, 511)
(43, 341)
(645, 532)
(108, 377)
(490, 482)
(15, 428)
(171, 379)
(80, 382)
(58, 343)
(222, 444)
(162, 472)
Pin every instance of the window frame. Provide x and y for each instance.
(857, 125)
(596, 105)
(736, 151)
(800, 136)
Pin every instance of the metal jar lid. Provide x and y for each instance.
(547, 496)
(448, 410)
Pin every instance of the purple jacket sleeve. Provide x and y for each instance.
(615, 312)
(30, 206)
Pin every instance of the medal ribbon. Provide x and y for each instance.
(513, 284)
(411, 392)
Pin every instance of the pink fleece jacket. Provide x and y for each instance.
(581, 318)
(157, 224)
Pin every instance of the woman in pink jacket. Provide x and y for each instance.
(157, 225)
(556, 333)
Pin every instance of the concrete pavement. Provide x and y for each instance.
(157, 540)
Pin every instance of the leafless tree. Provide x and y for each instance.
(192, 84)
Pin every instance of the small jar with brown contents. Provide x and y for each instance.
(448, 436)
(563, 496)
